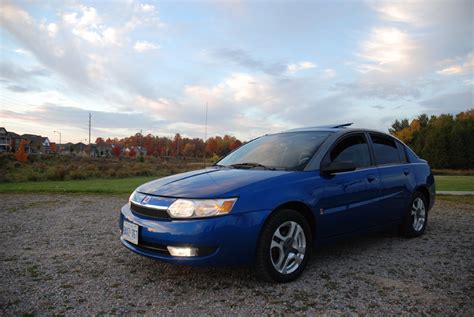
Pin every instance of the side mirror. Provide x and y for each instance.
(337, 167)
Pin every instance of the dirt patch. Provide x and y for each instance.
(60, 254)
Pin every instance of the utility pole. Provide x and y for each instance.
(141, 138)
(205, 137)
(90, 129)
(59, 147)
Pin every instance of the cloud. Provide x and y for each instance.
(19, 79)
(395, 90)
(17, 88)
(329, 73)
(425, 13)
(29, 34)
(87, 25)
(293, 68)
(244, 59)
(51, 29)
(451, 102)
(147, 7)
(459, 68)
(142, 46)
(54, 115)
(385, 49)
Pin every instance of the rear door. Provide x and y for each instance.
(349, 199)
(395, 177)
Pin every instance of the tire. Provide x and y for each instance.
(282, 257)
(416, 217)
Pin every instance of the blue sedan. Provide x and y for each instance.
(271, 201)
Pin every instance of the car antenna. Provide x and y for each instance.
(344, 125)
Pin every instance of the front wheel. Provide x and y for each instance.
(284, 247)
(416, 218)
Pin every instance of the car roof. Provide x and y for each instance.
(337, 128)
(329, 127)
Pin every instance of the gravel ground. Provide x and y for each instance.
(60, 254)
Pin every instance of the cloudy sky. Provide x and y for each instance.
(261, 66)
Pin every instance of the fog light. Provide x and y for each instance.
(182, 251)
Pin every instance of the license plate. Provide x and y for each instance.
(130, 232)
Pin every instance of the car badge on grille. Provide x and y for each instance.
(145, 200)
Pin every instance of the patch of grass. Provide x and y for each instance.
(112, 186)
(465, 172)
(454, 183)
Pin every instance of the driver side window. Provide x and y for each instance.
(353, 148)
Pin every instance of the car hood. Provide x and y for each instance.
(214, 182)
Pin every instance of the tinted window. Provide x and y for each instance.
(291, 150)
(352, 149)
(385, 150)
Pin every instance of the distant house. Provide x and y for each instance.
(15, 141)
(67, 148)
(103, 149)
(46, 145)
(37, 144)
(79, 148)
(5, 140)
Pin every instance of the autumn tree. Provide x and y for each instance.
(178, 145)
(116, 150)
(188, 149)
(445, 141)
(21, 155)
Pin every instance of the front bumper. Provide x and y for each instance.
(227, 240)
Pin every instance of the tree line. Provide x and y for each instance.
(178, 145)
(445, 141)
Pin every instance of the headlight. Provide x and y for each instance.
(196, 208)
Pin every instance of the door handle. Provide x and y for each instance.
(406, 172)
(371, 178)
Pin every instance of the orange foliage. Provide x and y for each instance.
(464, 116)
(406, 134)
(21, 153)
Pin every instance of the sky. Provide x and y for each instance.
(260, 66)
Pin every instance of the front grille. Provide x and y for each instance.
(149, 212)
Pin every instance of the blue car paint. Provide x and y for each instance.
(341, 205)
(234, 236)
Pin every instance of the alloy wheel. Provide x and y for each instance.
(288, 247)
(418, 213)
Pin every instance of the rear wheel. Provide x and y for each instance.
(416, 217)
(284, 247)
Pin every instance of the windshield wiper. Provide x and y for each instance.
(251, 165)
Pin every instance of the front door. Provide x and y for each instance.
(349, 199)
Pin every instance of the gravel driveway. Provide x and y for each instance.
(60, 254)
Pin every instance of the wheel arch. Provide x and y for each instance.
(303, 209)
(424, 190)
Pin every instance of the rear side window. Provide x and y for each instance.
(353, 149)
(385, 150)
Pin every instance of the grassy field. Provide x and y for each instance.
(127, 185)
(455, 183)
(112, 186)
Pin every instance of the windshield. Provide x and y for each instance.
(289, 151)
